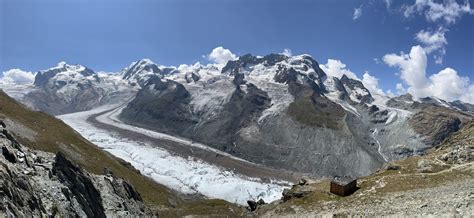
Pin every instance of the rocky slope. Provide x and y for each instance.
(313, 123)
(440, 183)
(47, 168)
(36, 183)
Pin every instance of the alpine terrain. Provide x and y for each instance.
(255, 130)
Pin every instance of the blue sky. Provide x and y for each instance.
(107, 35)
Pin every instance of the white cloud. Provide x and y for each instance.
(400, 89)
(221, 55)
(388, 3)
(336, 69)
(372, 84)
(439, 58)
(390, 93)
(469, 95)
(446, 84)
(357, 13)
(376, 60)
(433, 41)
(412, 69)
(17, 76)
(287, 52)
(448, 10)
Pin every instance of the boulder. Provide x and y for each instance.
(252, 205)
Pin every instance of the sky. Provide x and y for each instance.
(424, 47)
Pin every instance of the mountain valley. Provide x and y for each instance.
(173, 140)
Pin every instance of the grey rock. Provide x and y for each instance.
(252, 205)
(353, 84)
(80, 185)
(9, 156)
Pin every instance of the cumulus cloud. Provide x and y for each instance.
(287, 52)
(390, 93)
(469, 95)
(357, 13)
(446, 84)
(372, 84)
(412, 69)
(17, 76)
(400, 89)
(433, 41)
(448, 10)
(221, 55)
(336, 69)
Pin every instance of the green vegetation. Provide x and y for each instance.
(317, 112)
(408, 177)
(53, 136)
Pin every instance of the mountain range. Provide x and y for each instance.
(277, 111)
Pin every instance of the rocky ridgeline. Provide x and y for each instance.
(37, 183)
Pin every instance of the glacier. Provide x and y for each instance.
(186, 175)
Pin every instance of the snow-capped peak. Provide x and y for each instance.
(61, 64)
(63, 72)
(146, 61)
(140, 71)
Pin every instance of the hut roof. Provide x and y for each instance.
(344, 180)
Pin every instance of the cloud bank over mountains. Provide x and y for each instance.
(446, 84)
(221, 55)
(17, 76)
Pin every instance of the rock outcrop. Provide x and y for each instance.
(356, 90)
(437, 123)
(37, 183)
(79, 184)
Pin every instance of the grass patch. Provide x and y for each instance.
(317, 111)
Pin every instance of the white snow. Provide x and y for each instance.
(142, 70)
(262, 77)
(392, 115)
(442, 102)
(334, 97)
(380, 99)
(17, 91)
(187, 175)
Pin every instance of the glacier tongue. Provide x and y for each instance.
(186, 175)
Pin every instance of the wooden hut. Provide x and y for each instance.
(343, 186)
